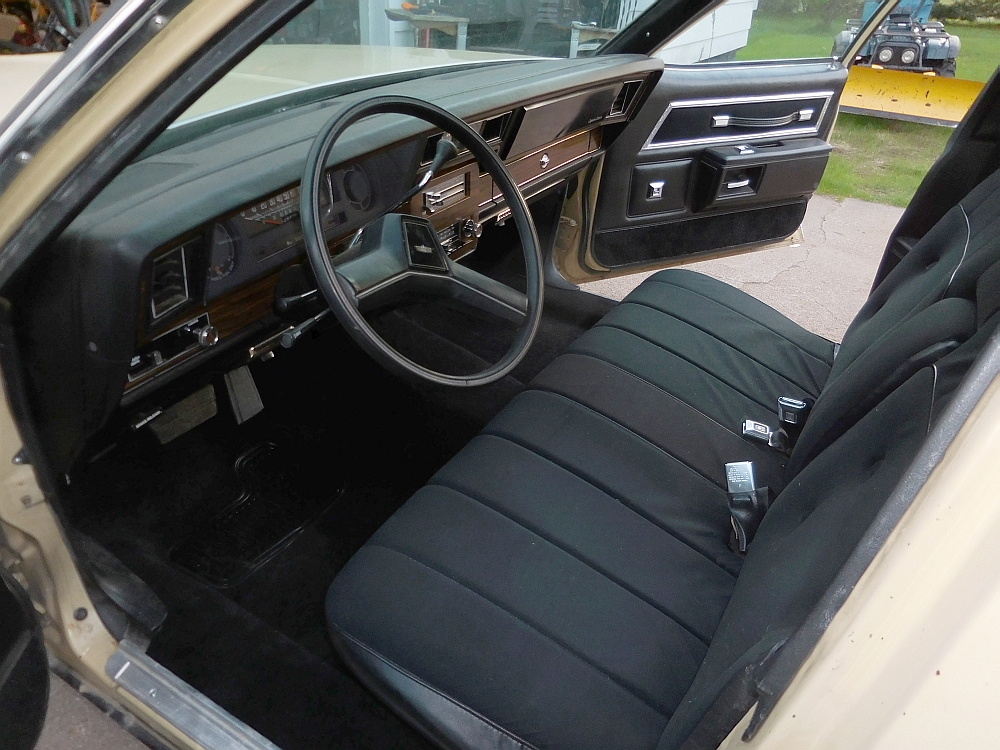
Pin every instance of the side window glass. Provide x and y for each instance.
(747, 30)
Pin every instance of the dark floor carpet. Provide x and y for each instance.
(284, 691)
(361, 436)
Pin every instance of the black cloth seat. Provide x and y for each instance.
(565, 581)
(561, 555)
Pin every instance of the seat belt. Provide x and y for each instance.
(747, 504)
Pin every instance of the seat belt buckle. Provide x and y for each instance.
(764, 433)
(793, 411)
(792, 414)
(747, 503)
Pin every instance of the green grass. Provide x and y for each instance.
(882, 161)
(980, 50)
(775, 37)
(783, 37)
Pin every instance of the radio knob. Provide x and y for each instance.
(471, 229)
(208, 336)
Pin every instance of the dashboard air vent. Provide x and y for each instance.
(169, 283)
(494, 127)
(626, 95)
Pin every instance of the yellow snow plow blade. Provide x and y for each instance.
(901, 95)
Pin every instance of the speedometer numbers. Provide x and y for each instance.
(276, 210)
(271, 226)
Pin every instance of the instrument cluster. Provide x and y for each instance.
(267, 233)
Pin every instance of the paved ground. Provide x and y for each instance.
(820, 284)
(74, 723)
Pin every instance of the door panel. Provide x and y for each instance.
(720, 157)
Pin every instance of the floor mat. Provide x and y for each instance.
(278, 500)
(297, 700)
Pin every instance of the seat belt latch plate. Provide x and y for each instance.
(747, 503)
(765, 434)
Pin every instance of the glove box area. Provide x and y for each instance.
(728, 176)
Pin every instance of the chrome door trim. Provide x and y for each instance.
(813, 129)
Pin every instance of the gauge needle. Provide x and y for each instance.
(272, 221)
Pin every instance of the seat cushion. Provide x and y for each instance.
(711, 346)
(684, 360)
(561, 579)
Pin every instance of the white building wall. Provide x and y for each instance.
(377, 29)
(726, 29)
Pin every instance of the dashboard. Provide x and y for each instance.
(184, 254)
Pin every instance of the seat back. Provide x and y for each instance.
(925, 309)
(817, 521)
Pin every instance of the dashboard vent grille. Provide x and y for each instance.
(626, 95)
(169, 283)
(494, 127)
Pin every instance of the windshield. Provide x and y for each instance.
(333, 41)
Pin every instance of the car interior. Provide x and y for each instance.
(344, 533)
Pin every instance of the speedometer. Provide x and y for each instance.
(271, 225)
(276, 210)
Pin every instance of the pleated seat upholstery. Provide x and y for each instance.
(566, 580)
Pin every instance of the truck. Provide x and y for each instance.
(906, 40)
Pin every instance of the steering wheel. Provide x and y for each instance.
(399, 256)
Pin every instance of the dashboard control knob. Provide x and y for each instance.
(471, 229)
(544, 161)
(208, 336)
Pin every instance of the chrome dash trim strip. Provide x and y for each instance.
(651, 145)
(180, 704)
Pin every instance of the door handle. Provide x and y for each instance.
(737, 184)
(725, 121)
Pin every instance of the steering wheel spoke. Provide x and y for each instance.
(488, 294)
(375, 263)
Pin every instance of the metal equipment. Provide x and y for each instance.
(906, 40)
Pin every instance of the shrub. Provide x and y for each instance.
(967, 10)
